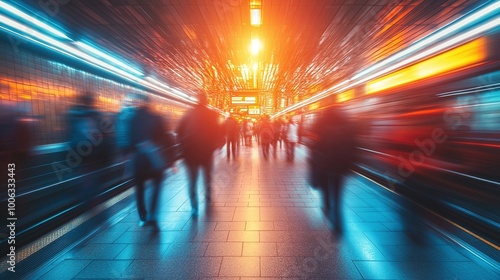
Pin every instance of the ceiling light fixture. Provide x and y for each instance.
(255, 12)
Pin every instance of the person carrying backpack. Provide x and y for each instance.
(86, 144)
(147, 138)
(122, 133)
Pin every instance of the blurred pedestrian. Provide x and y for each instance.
(292, 137)
(123, 124)
(248, 130)
(86, 144)
(333, 154)
(277, 126)
(232, 134)
(147, 137)
(266, 135)
(123, 137)
(200, 134)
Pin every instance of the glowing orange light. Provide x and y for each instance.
(459, 57)
(345, 96)
(314, 106)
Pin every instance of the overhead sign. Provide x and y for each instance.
(243, 100)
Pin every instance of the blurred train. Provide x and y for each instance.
(430, 131)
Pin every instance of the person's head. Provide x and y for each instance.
(129, 100)
(86, 98)
(141, 100)
(202, 98)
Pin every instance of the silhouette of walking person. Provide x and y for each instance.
(333, 153)
(199, 135)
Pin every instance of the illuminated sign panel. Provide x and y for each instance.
(243, 100)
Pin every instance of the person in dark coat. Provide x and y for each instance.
(123, 124)
(147, 132)
(266, 132)
(200, 134)
(122, 134)
(333, 153)
(232, 136)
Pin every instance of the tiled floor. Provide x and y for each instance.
(265, 222)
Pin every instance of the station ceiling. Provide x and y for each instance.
(307, 45)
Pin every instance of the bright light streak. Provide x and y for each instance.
(69, 50)
(452, 27)
(314, 98)
(33, 20)
(351, 83)
(108, 57)
(52, 43)
(166, 87)
(152, 85)
(23, 29)
(462, 56)
(455, 40)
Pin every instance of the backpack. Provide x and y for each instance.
(85, 128)
(171, 149)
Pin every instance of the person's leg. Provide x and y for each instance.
(139, 198)
(207, 173)
(292, 150)
(157, 180)
(228, 148)
(273, 144)
(88, 184)
(325, 188)
(234, 143)
(336, 187)
(288, 151)
(192, 169)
